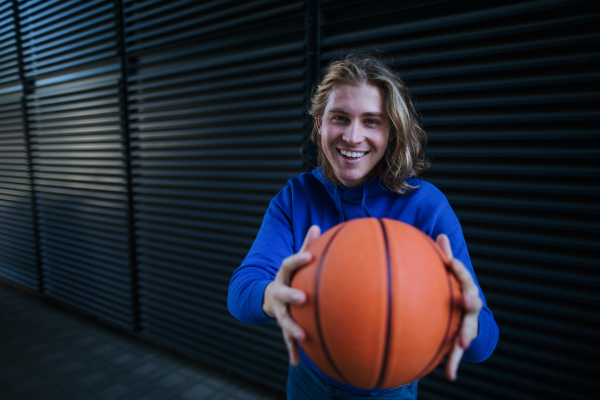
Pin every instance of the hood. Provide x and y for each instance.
(370, 189)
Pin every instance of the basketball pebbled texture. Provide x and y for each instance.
(382, 306)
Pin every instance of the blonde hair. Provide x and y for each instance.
(403, 157)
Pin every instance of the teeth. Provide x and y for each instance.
(352, 154)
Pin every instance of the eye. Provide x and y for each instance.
(372, 121)
(339, 118)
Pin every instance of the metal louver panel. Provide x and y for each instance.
(18, 253)
(508, 92)
(78, 156)
(216, 94)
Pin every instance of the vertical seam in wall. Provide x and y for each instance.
(312, 40)
(124, 100)
(28, 88)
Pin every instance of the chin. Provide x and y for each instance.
(351, 182)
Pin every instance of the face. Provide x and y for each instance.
(354, 132)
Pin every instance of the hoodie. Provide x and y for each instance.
(310, 200)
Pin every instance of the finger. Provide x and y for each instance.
(472, 303)
(290, 327)
(467, 284)
(291, 264)
(468, 331)
(300, 259)
(313, 233)
(444, 243)
(287, 295)
(292, 348)
(453, 360)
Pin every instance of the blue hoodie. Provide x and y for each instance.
(310, 200)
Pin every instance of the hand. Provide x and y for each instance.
(279, 295)
(471, 303)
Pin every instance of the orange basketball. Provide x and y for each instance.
(382, 306)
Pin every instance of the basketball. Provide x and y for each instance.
(382, 306)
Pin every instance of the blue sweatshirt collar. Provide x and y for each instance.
(372, 188)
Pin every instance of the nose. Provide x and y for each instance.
(354, 133)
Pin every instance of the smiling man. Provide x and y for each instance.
(371, 155)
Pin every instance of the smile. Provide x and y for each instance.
(352, 154)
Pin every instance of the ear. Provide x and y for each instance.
(318, 124)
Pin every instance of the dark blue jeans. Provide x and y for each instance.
(304, 384)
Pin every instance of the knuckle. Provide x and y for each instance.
(288, 325)
(281, 314)
(465, 275)
(285, 266)
(279, 292)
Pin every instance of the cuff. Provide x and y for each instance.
(256, 301)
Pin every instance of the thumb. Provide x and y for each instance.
(313, 233)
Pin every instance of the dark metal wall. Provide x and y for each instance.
(71, 71)
(216, 107)
(151, 135)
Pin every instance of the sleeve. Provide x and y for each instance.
(484, 344)
(272, 245)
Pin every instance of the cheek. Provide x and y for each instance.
(326, 139)
(383, 143)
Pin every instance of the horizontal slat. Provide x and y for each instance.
(221, 344)
(65, 257)
(97, 292)
(514, 270)
(504, 83)
(114, 245)
(540, 256)
(180, 73)
(22, 249)
(98, 276)
(104, 273)
(180, 249)
(75, 299)
(454, 20)
(162, 32)
(75, 249)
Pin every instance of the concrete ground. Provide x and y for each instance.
(49, 353)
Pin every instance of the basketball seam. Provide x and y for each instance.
(389, 316)
(450, 316)
(317, 314)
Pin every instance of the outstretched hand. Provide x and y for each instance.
(279, 295)
(471, 303)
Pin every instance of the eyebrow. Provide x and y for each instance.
(367, 114)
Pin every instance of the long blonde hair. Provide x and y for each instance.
(403, 157)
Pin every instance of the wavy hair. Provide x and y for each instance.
(404, 156)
